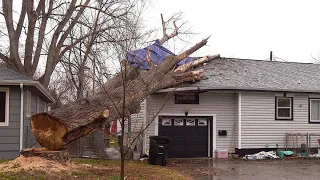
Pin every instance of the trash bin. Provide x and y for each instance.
(158, 150)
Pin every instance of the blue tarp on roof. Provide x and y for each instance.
(138, 58)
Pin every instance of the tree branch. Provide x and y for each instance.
(194, 63)
(14, 48)
(32, 18)
(73, 23)
(21, 18)
(165, 36)
(41, 35)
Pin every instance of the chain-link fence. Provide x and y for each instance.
(303, 142)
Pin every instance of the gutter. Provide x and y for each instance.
(21, 116)
(199, 88)
(37, 84)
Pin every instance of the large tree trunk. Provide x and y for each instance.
(59, 127)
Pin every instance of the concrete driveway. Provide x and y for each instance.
(244, 169)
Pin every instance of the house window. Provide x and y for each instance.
(4, 107)
(314, 110)
(187, 98)
(166, 122)
(178, 122)
(28, 106)
(202, 122)
(190, 122)
(284, 108)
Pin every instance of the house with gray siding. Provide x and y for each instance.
(240, 105)
(20, 98)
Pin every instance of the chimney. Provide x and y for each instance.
(271, 56)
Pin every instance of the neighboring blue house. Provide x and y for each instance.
(15, 112)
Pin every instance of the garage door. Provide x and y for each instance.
(189, 135)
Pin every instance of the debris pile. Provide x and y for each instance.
(262, 155)
(36, 164)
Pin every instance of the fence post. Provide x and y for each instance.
(308, 145)
(286, 141)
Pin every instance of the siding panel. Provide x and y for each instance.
(259, 127)
(9, 135)
(221, 104)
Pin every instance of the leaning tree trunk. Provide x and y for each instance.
(57, 128)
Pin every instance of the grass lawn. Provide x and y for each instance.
(97, 170)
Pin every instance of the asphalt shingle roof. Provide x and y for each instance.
(225, 73)
(8, 74)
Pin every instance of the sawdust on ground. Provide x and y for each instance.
(36, 164)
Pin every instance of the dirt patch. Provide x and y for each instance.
(36, 164)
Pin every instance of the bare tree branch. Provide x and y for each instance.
(165, 36)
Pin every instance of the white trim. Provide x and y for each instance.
(156, 125)
(7, 111)
(144, 147)
(214, 135)
(214, 127)
(21, 115)
(239, 120)
(209, 135)
(310, 108)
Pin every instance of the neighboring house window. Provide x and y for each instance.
(38, 105)
(187, 98)
(284, 108)
(28, 108)
(314, 109)
(4, 107)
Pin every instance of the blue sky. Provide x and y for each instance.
(247, 28)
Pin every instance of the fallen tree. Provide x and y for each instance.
(57, 128)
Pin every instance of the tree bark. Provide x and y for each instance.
(57, 128)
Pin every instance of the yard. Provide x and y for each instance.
(176, 169)
(83, 169)
(293, 169)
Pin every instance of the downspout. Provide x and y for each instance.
(21, 116)
(239, 120)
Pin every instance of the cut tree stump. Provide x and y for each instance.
(60, 156)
